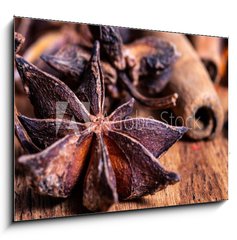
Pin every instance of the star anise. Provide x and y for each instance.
(142, 67)
(119, 154)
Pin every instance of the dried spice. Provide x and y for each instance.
(210, 50)
(47, 43)
(142, 67)
(198, 107)
(147, 56)
(119, 154)
(37, 32)
(19, 40)
(71, 60)
(146, 61)
(22, 134)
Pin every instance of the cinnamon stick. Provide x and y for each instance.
(222, 92)
(210, 50)
(198, 106)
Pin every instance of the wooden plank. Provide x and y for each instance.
(202, 165)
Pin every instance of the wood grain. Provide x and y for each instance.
(203, 168)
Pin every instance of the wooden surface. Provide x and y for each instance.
(202, 165)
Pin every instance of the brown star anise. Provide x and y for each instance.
(119, 154)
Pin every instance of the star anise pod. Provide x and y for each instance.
(119, 154)
(144, 64)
